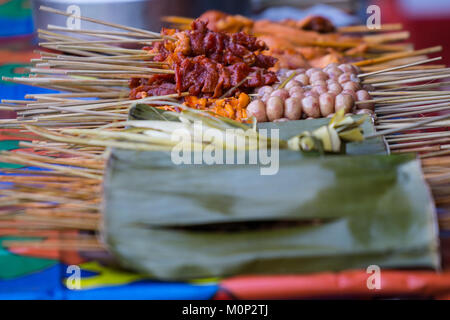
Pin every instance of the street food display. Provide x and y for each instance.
(209, 64)
(327, 90)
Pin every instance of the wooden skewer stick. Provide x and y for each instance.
(422, 108)
(434, 154)
(403, 73)
(99, 113)
(387, 78)
(419, 86)
(411, 106)
(143, 41)
(399, 67)
(418, 144)
(364, 28)
(79, 95)
(405, 136)
(105, 66)
(107, 40)
(109, 24)
(413, 80)
(379, 67)
(387, 37)
(446, 107)
(407, 93)
(72, 171)
(409, 98)
(103, 82)
(98, 32)
(51, 36)
(408, 127)
(94, 142)
(393, 56)
(90, 165)
(94, 49)
(61, 150)
(177, 20)
(102, 59)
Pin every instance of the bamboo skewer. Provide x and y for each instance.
(393, 56)
(387, 37)
(96, 33)
(109, 24)
(401, 79)
(412, 80)
(142, 41)
(60, 150)
(364, 28)
(80, 48)
(399, 67)
(408, 127)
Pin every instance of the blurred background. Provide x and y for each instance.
(427, 20)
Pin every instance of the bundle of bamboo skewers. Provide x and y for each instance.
(92, 70)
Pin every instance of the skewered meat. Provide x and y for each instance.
(157, 85)
(208, 63)
(312, 41)
(220, 21)
(224, 48)
(315, 23)
(201, 75)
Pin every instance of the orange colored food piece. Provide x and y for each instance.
(233, 108)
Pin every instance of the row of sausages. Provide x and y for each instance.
(311, 93)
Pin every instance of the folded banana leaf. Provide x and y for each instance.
(179, 222)
(287, 129)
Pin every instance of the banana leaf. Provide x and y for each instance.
(179, 222)
(287, 129)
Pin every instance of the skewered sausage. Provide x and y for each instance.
(345, 77)
(347, 67)
(334, 87)
(282, 93)
(311, 106)
(326, 104)
(265, 89)
(274, 108)
(291, 84)
(295, 89)
(362, 95)
(350, 92)
(257, 109)
(310, 71)
(320, 89)
(318, 75)
(319, 83)
(350, 85)
(309, 93)
(293, 108)
(334, 72)
(343, 101)
(302, 78)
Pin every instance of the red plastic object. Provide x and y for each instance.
(337, 285)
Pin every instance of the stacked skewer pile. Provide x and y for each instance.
(94, 64)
